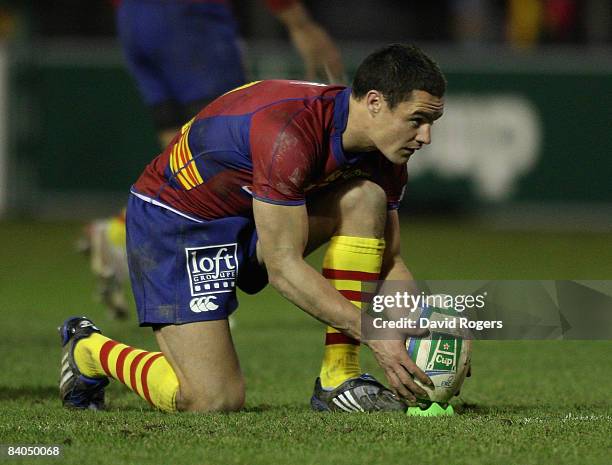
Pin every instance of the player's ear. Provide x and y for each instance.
(374, 102)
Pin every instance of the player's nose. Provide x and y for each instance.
(424, 134)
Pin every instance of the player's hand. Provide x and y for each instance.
(318, 51)
(320, 55)
(399, 369)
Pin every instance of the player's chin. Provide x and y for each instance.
(401, 156)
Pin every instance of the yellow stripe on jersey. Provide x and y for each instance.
(187, 125)
(249, 84)
(182, 163)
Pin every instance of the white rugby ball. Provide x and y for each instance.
(444, 355)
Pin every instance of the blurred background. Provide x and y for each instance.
(525, 141)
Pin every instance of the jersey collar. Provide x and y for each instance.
(341, 111)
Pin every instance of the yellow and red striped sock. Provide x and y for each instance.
(348, 262)
(148, 374)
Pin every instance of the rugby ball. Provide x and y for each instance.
(444, 355)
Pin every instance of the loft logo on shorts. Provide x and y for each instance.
(212, 269)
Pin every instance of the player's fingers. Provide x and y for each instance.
(398, 386)
(416, 372)
(408, 382)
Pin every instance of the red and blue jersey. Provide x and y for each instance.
(276, 141)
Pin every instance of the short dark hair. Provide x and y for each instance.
(395, 71)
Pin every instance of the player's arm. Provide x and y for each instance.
(283, 234)
(320, 54)
(393, 267)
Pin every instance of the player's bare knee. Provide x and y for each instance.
(230, 399)
(218, 404)
(363, 208)
(362, 194)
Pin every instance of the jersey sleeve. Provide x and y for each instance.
(284, 152)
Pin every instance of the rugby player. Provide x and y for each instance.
(255, 181)
(182, 55)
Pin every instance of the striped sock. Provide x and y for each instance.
(148, 374)
(348, 262)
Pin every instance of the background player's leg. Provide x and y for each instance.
(353, 216)
(104, 241)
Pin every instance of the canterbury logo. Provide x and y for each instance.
(203, 304)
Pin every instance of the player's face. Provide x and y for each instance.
(398, 133)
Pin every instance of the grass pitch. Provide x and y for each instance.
(529, 402)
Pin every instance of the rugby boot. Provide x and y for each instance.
(77, 390)
(360, 394)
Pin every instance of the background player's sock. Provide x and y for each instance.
(108, 262)
(116, 229)
(148, 374)
(107, 242)
(348, 261)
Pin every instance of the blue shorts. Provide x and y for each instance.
(185, 270)
(182, 52)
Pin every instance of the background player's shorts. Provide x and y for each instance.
(181, 54)
(183, 270)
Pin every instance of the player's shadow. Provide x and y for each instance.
(31, 393)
